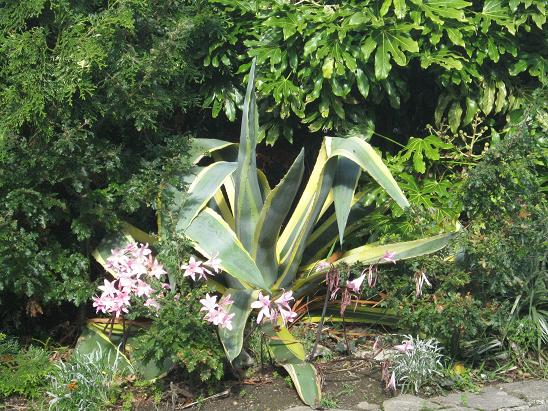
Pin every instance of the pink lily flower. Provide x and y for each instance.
(192, 268)
(264, 304)
(392, 383)
(405, 346)
(108, 288)
(389, 256)
(356, 284)
(214, 263)
(284, 299)
(156, 269)
(287, 315)
(143, 289)
(209, 303)
(226, 301)
(152, 303)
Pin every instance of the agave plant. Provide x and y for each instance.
(268, 244)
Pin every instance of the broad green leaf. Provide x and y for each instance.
(356, 314)
(382, 61)
(453, 116)
(384, 7)
(248, 199)
(232, 340)
(367, 48)
(327, 67)
(363, 83)
(201, 147)
(213, 236)
(443, 102)
(290, 261)
(488, 97)
(344, 185)
(202, 189)
(277, 205)
(501, 96)
(372, 254)
(400, 8)
(307, 197)
(367, 158)
(418, 148)
(358, 18)
(289, 353)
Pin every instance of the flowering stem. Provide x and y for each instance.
(124, 335)
(320, 328)
(345, 336)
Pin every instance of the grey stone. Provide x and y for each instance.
(489, 399)
(527, 390)
(364, 405)
(299, 408)
(409, 403)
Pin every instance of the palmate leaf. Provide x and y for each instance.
(248, 198)
(232, 340)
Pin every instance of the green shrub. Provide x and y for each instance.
(94, 98)
(377, 64)
(23, 371)
(180, 334)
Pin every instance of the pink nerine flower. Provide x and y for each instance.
(108, 288)
(192, 268)
(284, 299)
(209, 303)
(214, 263)
(264, 304)
(405, 346)
(156, 269)
(356, 284)
(389, 256)
(152, 303)
(392, 383)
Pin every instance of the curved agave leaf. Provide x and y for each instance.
(289, 353)
(247, 191)
(322, 238)
(201, 147)
(344, 185)
(232, 340)
(372, 254)
(223, 208)
(202, 189)
(366, 157)
(369, 254)
(212, 235)
(291, 261)
(273, 213)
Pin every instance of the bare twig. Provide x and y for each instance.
(221, 394)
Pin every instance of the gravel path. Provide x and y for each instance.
(514, 396)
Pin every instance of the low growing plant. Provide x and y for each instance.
(87, 382)
(416, 363)
(23, 371)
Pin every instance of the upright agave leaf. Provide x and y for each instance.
(248, 197)
(346, 180)
(276, 207)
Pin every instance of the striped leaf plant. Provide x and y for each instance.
(267, 240)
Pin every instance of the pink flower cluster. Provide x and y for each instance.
(201, 269)
(217, 314)
(131, 265)
(273, 309)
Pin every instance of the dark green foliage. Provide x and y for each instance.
(378, 64)
(93, 97)
(489, 287)
(23, 371)
(180, 333)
